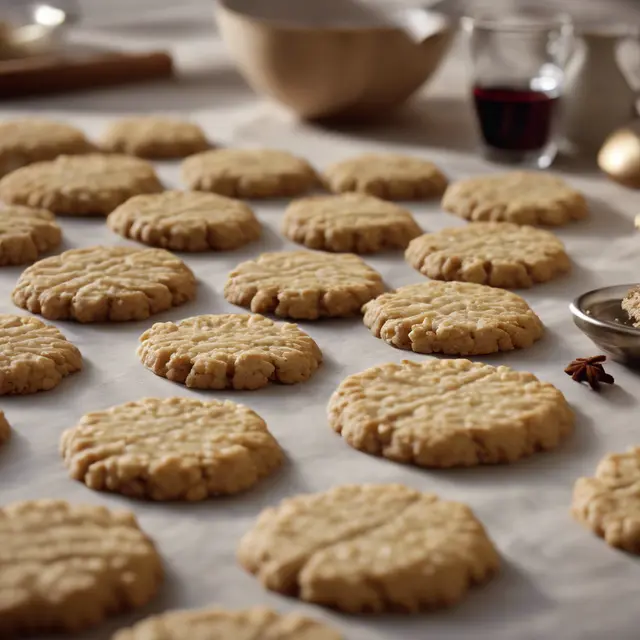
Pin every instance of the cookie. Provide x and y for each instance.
(522, 197)
(101, 284)
(257, 623)
(90, 185)
(609, 503)
(67, 567)
(369, 548)
(449, 413)
(454, 318)
(29, 140)
(34, 356)
(229, 351)
(499, 254)
(388, 176)
(249, 173)
(154, 137)
(352, 222)
(5, 428)
(303, 284)
(171, 449)
(631, 304)
(26, 233)
(186, 221)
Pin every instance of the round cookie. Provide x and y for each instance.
(25, 233)
(609, 503)
(100, 284)
(499, 254)
(171, 449)
(351, 222)
(186, 221)
(29, 140)
(521, 197)
(369, 548)
(631, 304)
(67, 567)
(303, 284)
(388, 176)
(89, 185)
(257, 623)
(5, 428)
(154, 137)
(454, 318)
(229, 351)
(34, 356)
(449, 413)
(249, 173)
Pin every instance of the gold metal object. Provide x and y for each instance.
(619, 156)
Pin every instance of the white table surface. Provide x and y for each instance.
(557, 581)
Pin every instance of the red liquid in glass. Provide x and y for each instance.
(515, 119)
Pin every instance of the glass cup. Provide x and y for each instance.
(518, 67)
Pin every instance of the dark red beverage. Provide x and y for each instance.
(515, 119)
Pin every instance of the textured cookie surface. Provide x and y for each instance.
(446, 413)
(154, 137)
(238, 351)
(27, 140)
(369, 548)
(171, 449)
(186, 221)
(249, 173)
(609, 503)
(34, 356)
(25, 233)
(387, 176)
(258, 623)
(631, 304)
(352, 222)
(454, 318)
(66, 567)
(499, 254)
(92, 184)
(303, 284)
(105, 284)
(5, 428)
(522, 197)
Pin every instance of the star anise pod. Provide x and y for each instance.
(589, 370)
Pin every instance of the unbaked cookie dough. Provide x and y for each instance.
(34, 356)
(101, 284)
(352, 222)
(522, 197)
(499, 254)
(29, 140)
(171, 449)
(229, 351)
(609, 503)
(370, 548)
(631, 304)
(449, 413)
(67, 567)
(186, 221)
(89, 185)
(303, 284)
(454, 318)
(154, 137)
(26, 233)
(388, 176)
(257, 623)
(249, 173)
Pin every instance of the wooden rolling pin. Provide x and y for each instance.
(59, 74)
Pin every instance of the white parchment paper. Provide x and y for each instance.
(557, 580)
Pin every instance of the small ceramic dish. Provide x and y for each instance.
(599, 315)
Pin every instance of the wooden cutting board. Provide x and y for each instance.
(42, 75)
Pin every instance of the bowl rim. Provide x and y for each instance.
(284, 25)
(576, 307)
